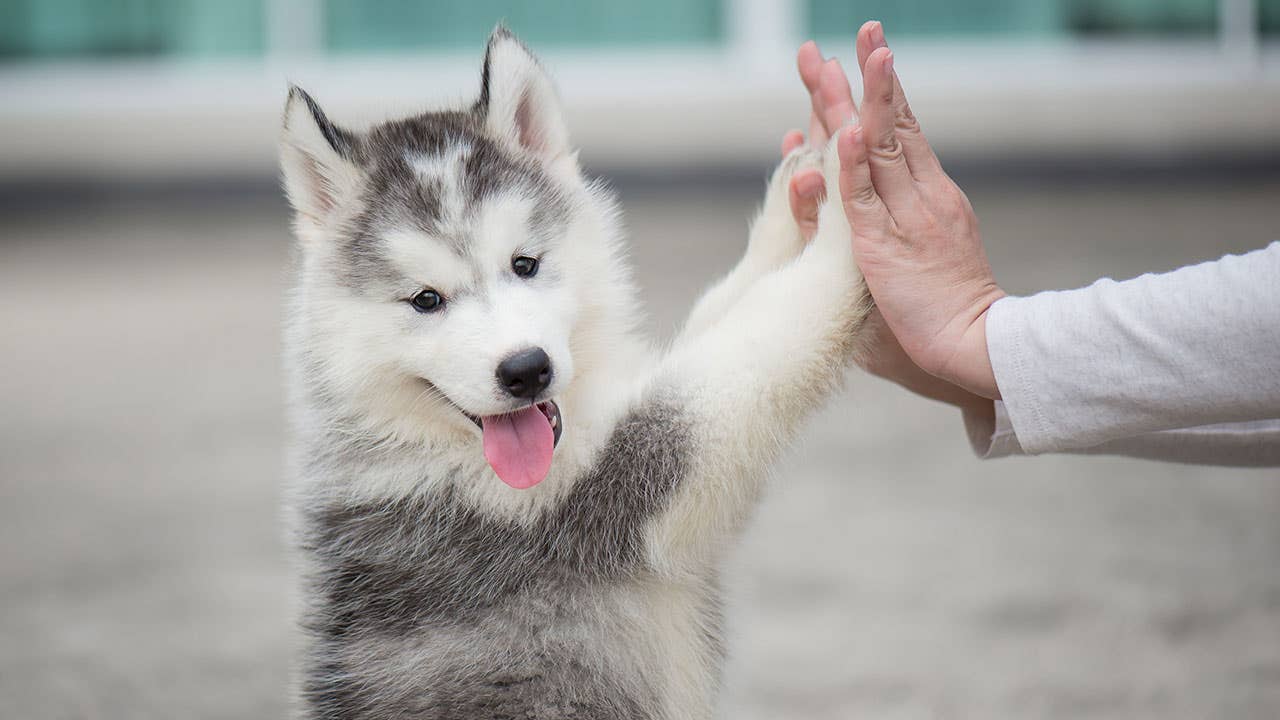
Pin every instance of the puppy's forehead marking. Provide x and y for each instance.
(433, 179)
(501, 226)
(421, 257)
(441, 174)
(445, 164)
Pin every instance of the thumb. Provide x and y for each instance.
(863, 207)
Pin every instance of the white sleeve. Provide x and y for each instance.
(1195, 347)
(1244, 444)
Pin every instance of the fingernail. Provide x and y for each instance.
(833, 73)
(877, 35)
(888, 63)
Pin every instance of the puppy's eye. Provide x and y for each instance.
(427, 301)
(524, 266)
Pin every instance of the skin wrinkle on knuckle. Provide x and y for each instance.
(886, 150)
(905, 122)
(863, 197)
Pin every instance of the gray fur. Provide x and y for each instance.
(422, 601)
(338, 139)
(427, 567)
(396, 196)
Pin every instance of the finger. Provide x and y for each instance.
(806, 193)
(835, 97)
(920, 156)
(818, 136)
(870, 37)
(809, 63)
(867, 213)
(790, 141)
(889, 169)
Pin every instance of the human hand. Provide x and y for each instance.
(885, 358)
(915, 235)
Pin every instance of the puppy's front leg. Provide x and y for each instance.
(774, 240)
(749, 380)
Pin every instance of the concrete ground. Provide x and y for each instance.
(889, 574)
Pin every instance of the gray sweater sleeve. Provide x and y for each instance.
(1245, 444)
(1181, 366)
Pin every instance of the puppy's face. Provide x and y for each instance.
(444, 259)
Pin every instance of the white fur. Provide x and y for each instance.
(760, 351)
(317, 180)
(524, 110)
(445, 169)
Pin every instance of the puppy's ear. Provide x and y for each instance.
(316, 158)
(519, 101)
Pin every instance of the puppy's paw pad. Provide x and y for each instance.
(777, 197)
(802, 158)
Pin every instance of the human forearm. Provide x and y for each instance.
(1194, 347)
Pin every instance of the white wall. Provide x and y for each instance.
(672, 108)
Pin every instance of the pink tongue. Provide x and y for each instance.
(519, 446)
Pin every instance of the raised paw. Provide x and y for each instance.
(832, 225)
(831, 247)
(780, 233)
(801, 164)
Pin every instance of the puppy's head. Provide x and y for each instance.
(445, 258)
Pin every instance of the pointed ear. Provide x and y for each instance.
(316, 158)
(519, 102)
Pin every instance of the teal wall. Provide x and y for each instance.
(1019, 17)
(106, 28)
(199, 28)
(936, 17)
(1143, 16)
(363, 25)
(1269, 17)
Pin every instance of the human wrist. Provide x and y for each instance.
(982, 376)
(970, 365)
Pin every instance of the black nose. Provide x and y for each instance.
(525, 373)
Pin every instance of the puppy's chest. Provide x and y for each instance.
(402, 564)
(439, 555)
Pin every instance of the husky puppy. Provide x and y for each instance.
(507, 504)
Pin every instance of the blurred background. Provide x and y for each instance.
(143, 255)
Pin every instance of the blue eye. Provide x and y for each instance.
(524, 266)
(427, 301)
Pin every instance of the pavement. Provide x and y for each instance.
(888, 574)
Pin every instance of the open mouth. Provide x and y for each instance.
(519, 445)
(549, 408)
